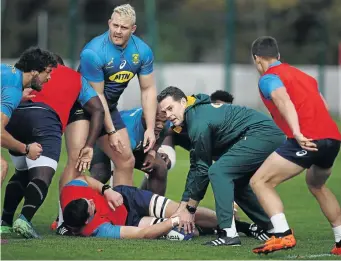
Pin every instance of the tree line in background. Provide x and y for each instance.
(308, 31)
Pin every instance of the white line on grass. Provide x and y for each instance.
(308, 256)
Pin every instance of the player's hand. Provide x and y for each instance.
(305, 143)
(149, 140)
(84, 159)
(165, 157)
(34, 151)
(149, 161)
(186, 221)
(26, 94)
(181, 207)
(116, 142)
(113, 198)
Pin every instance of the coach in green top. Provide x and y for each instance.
(239, 139)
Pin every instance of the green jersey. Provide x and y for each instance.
(213, 128)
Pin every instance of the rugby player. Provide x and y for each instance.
(43, 120)
(313, 142)
(30, 72)
(150, 162)
(239, 139)
(109, 62)
(88, 210)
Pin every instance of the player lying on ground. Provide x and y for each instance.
(91, 208)
(150, 162)
(43, 120)
(30, 72)
(109, 62)
(100, 165)
(239, 139)
(298, 108)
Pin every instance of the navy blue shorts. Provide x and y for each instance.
(323, 158)
(136, 201)
(32, 123)
(78, 113)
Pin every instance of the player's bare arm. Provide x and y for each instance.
(114, 137)
(281, 99)
(149, 105)
(95, 108)
(32, 150)
(151, 232)
(114, 198)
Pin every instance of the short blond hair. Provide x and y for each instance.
(126, 10)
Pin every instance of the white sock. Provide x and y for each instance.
(60, 217)
(231, 231)
(280, 223)
(337, 233)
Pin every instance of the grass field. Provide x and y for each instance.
(315, 238)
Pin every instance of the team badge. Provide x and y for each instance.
(136, 58)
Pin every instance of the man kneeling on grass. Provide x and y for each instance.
(91, 208)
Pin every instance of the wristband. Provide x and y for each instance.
(27, 149)
(111, 132)
(105, 187)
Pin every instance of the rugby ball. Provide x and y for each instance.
(176, 235)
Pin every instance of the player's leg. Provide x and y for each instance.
(100, 168)
(76, 134)
(248, 202)
(223, 190)
(145, 203)
(4, 170)
(316, 179)
(124, 162)
(287, 161)
(14, 192)
(46, 130)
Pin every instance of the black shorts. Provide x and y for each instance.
(32, 123)
(78, 113)
(323, 158)
(136, 201)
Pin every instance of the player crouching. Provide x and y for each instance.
(124, 212)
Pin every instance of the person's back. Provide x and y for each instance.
(61, 92)
(314, 118)
(227, 123)
(133, 121)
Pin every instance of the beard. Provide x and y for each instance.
(36, 84)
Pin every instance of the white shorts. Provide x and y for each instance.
(23, 163)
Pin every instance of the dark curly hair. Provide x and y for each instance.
(35, 59)
(222, 96)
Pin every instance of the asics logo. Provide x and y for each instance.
(123, 63)
(301, 153)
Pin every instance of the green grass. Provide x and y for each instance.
(311, 228)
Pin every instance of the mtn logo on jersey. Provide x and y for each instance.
(121, 77)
